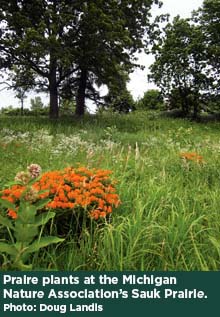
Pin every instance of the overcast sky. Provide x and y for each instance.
(138, 83)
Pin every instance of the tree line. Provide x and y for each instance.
(70, 48)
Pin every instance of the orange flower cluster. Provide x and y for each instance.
(70, 189)
(192, 156)
(12, 213)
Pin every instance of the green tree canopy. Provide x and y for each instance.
(37, 104)
(110, 34)
(39, 35)
(180, 63)
(152, 99)
(71, 44)
(208, 19)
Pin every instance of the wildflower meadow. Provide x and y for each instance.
(109, 192)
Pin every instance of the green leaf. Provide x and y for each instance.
(7, 204)
(44, 242)
(43, 218)
(41, 203)
(6, 222)
(9, 184)
(25, 232)
(7, 248)
(26, 212)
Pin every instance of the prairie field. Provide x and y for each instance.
(169, 216)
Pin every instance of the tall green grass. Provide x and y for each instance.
(169, 218)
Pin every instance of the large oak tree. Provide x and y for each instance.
(39, 35)
(72, 41)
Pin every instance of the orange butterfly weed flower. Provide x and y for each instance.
(12, 213)
(90, 190)
(192, 156)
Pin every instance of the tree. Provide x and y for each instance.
(20, 81)
(36, 104)
(208, 19)
(180, 64)
(152, 99)
(39, 36)
(21, 95)
(75, 43)
(111, 32)
(122, 102)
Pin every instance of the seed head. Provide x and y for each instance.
(34, 170)
(23, 177)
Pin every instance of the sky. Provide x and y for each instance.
(138, 80)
